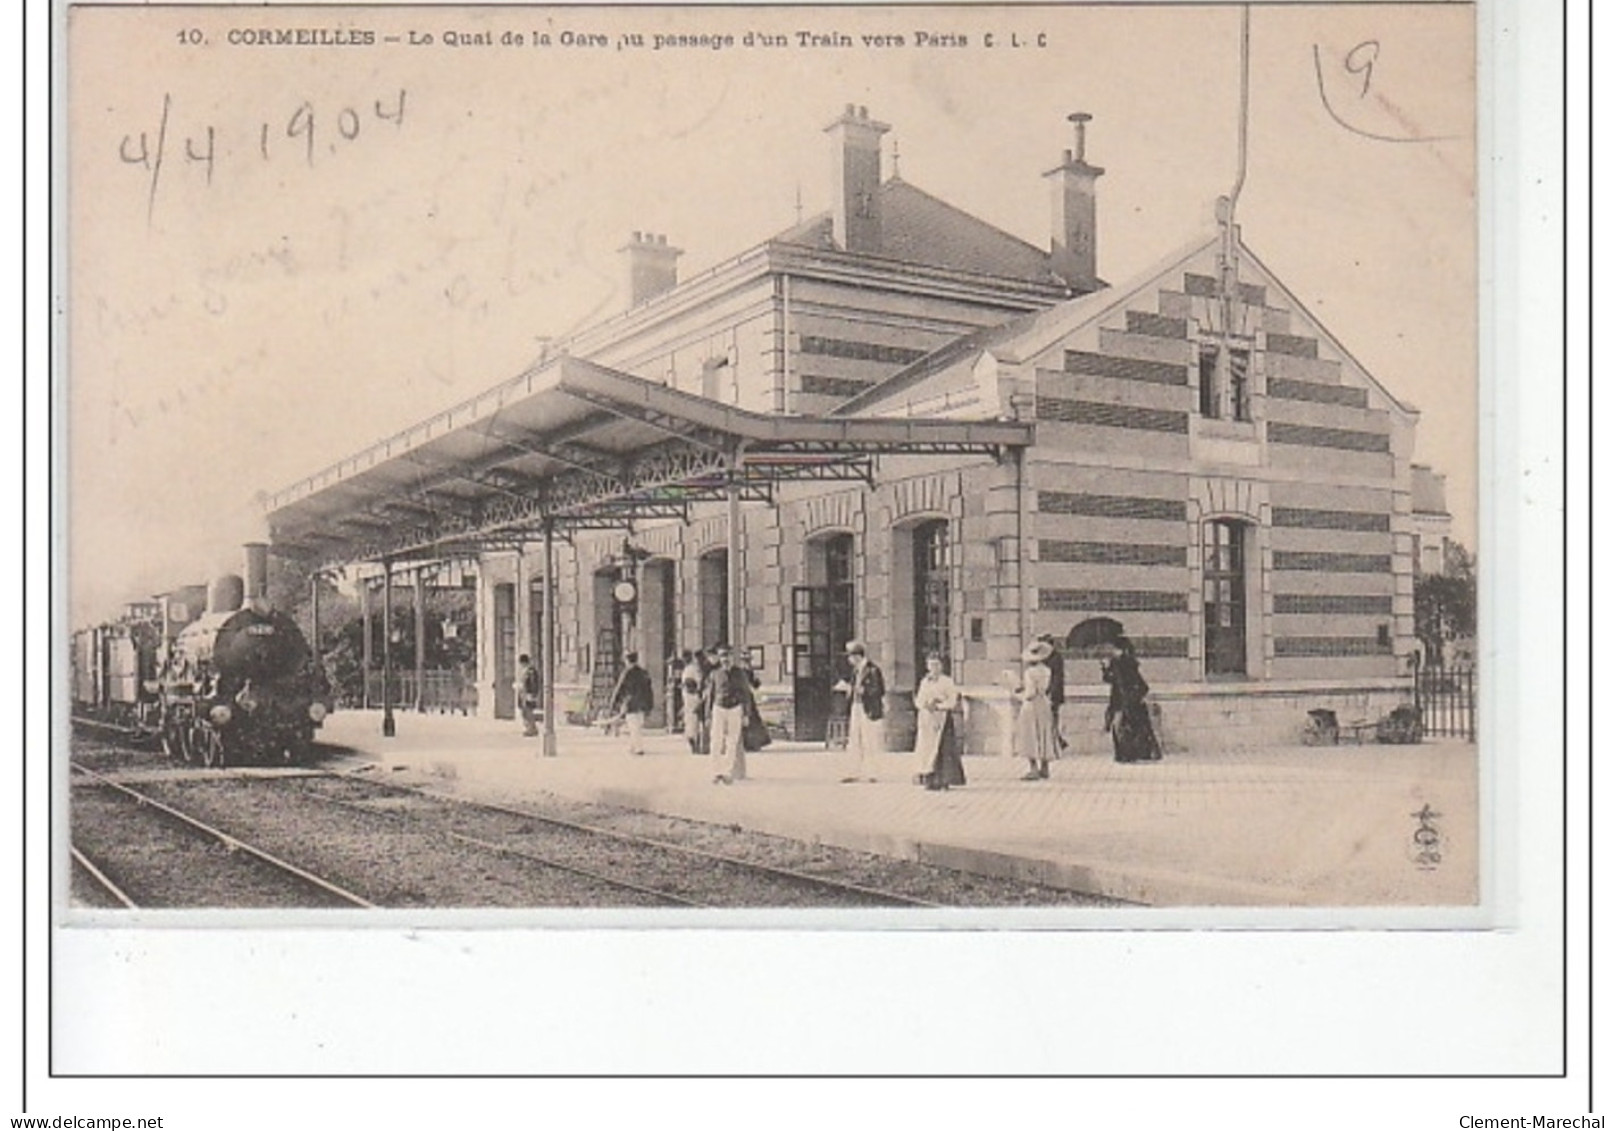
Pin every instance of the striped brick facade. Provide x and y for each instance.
(1113, 515)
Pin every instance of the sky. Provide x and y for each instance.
(280, 254)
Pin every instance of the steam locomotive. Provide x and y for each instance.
(237, 684)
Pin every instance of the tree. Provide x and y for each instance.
(1444, 604)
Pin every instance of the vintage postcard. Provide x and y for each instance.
(918, 467)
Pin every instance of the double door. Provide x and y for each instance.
(821, 625)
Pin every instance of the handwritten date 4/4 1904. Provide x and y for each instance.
(301, 132)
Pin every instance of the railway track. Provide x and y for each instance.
(407, 844)
(200, 863)
(683, 874)
(102, 892)
(349, 863)
(138, 737)
(395, 824)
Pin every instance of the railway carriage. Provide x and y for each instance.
(234, 684)
(115, 671)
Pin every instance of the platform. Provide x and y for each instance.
(1304, 827)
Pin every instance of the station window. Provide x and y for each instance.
(1224, 382)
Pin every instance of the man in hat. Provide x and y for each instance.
(866, 738)
(632, 699)
(729, 699)
(527, 692)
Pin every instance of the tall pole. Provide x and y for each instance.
(367, 649)
(313, 622)
(389, 727)
(547, 629)
(1023, 575)
(735, 595)
(420, 640)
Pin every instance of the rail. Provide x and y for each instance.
(231, 842)
(805, 879)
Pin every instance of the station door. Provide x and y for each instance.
(821, 625)
(504, 652)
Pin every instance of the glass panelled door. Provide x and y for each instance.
(931, 618)
(813, 661)
(504, 651)
(1224, 590)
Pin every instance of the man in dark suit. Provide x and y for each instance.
(1056, 665)
(866, 734)
(633, 699)
(529, 687)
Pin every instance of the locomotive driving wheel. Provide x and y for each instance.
(179, 743)
(211, 744)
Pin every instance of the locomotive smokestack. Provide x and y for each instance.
(257, 570)
(224, 595)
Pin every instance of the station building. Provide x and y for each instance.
(1202, 460)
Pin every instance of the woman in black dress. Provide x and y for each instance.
(1127, 717)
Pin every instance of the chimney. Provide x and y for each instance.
(1074, 239)
(652, 266)
(256, 574)
(855, 191)
(224, 595)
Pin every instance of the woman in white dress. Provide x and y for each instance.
(1034, 725)
(936, 749)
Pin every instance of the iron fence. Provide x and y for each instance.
(1445, 698)
(442, 691)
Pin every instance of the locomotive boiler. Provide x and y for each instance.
(240, 684)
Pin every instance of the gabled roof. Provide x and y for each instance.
(917, 227)
(1020, 337)
(1023, 338)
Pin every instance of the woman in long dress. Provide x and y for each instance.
(1127, 716)
(936, 747)
(1034, 725)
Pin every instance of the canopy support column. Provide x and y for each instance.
(1023, 575)
(313, 621)
(367, 649)
(420, 641)
(736, 594)
(389, 726)
(547, 630)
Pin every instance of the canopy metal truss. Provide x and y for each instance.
(574, 446)
(577, 446)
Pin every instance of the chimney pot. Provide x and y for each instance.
(1080, 120)
(850, 110)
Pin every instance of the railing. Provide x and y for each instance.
(443, 691)
(1445, 698)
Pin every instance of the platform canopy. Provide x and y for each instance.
(574, 445)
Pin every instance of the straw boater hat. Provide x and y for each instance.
(1037, 652)
(855, 647)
